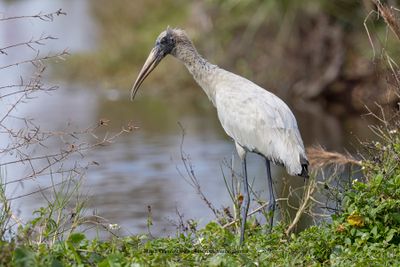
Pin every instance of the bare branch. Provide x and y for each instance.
(192, 179)
(37, 59)
(29, 44)
(42, 16)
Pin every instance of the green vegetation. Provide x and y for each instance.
(365, 231)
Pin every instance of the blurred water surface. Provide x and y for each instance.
(141, 169)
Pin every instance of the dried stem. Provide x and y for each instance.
(37, 59)
(191, 178)
(319, 158)
(42, 16)
(30, 44)
(386, 12)
(305, 202)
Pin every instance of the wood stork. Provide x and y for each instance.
(257, 120)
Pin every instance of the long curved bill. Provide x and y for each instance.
(152, 61)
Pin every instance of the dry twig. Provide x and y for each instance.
(319, 158)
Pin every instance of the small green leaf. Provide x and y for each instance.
(378, 179)
(104, 263)
(23, 257)
(56, 263)
(390, 235)
(76, 238)
(216, 260)
(395, 216)
(374, 231)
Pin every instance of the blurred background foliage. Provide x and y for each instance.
(308, 50)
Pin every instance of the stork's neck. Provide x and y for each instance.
(202, 71)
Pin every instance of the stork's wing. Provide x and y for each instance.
(260, 122)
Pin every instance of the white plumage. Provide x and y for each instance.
(257, 120)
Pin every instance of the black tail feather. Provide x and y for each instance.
(304, 171)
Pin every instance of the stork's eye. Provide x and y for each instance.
(163, 41)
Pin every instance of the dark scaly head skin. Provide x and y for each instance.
(166, 41)
(169, 41)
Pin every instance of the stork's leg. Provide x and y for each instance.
(246, 200)
(271, 200)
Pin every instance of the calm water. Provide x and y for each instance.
(141, 169)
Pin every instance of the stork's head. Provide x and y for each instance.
(168, 42)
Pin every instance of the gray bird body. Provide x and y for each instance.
(257, 120)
